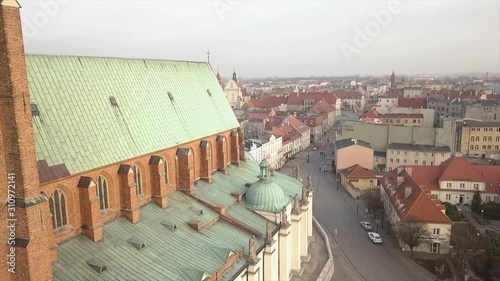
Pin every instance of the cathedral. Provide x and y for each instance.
(110, 172)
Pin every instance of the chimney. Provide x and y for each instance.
(407, 191)
(409, 170)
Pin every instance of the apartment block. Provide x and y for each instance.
(480, 138)
(407, 154)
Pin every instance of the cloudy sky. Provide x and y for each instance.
(276, 38)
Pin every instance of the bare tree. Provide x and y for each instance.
(412, 233)
(374, 204)
(464, 237)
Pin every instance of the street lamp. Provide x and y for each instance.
(482, 212)
(357, 204)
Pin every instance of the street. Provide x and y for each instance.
(336, 211)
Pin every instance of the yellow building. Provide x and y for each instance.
(357, 179)
(480, 138)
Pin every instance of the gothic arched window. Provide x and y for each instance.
(58, 209)
(137, 179)
(102, 193)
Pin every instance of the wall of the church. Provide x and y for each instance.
(77, 217)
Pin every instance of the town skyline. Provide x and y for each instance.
(260, 40)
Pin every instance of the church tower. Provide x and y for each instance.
(393, 80)
(25, 218)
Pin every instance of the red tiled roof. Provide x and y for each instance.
(322, 106)
(491, 175)
(267, 102)
(426, 176)
(349, 95)
(493, 97)
(458, 168)
(297, 125)
(418, 205)
(298, 98)
(356, 172)
(413, 103)
(401, 115)
(465, 95)
(396, 92)
(372, 113)
(273, 122)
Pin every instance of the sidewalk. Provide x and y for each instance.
(390, 244)
(319, 257)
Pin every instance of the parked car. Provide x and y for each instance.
(375, 237)
(366, 225)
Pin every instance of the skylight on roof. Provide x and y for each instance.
(34, 110)
(209, 93)
(170, 96)
(113, 101)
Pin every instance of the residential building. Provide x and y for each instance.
(303, 102)
(351, 100)
(253, 126)
(483, 111)
(327, 111)
(454, 108)
(315, 123)
(456, 180)
(407, 154)
(480, 139)
(412, 92)
(387, 100)
(278, 103)
(270, 147)
(403, 119)
(291, 139)
(381, 136)
(349, 152)
(357, 179)
(407, 201)
(117, 179)
(412, 103)
(254, 149)
(305, 131)
(399, 116)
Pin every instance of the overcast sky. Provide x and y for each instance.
(275, 38)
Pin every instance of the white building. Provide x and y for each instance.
(412, 92)
(387, 101)
(266, 146)
(407, 154)
(287, 248)
(235, 93)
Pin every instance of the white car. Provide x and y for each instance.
(366, 225)
(375, 237)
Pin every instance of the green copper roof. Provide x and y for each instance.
(160, 104)
(181, 255)
(266, 195)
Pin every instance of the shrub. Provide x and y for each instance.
(480, 220)
(452, 212)
(491, 210)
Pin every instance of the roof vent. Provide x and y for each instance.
(170, 226)
(170, 96)
(34, 110)
(209, 93)
(137, 243)
(113, 101)
(198, 211)
(96, 265)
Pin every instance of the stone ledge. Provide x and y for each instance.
(329, 268)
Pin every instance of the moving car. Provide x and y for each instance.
(375, 237)
(366, 225)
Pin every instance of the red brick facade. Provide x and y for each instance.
(17, 156)
(183, 165)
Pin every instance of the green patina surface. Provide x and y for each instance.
(181, 255)
(80, 128)
(184, 254)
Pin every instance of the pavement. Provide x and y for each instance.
(319, 257)
(355, 257)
